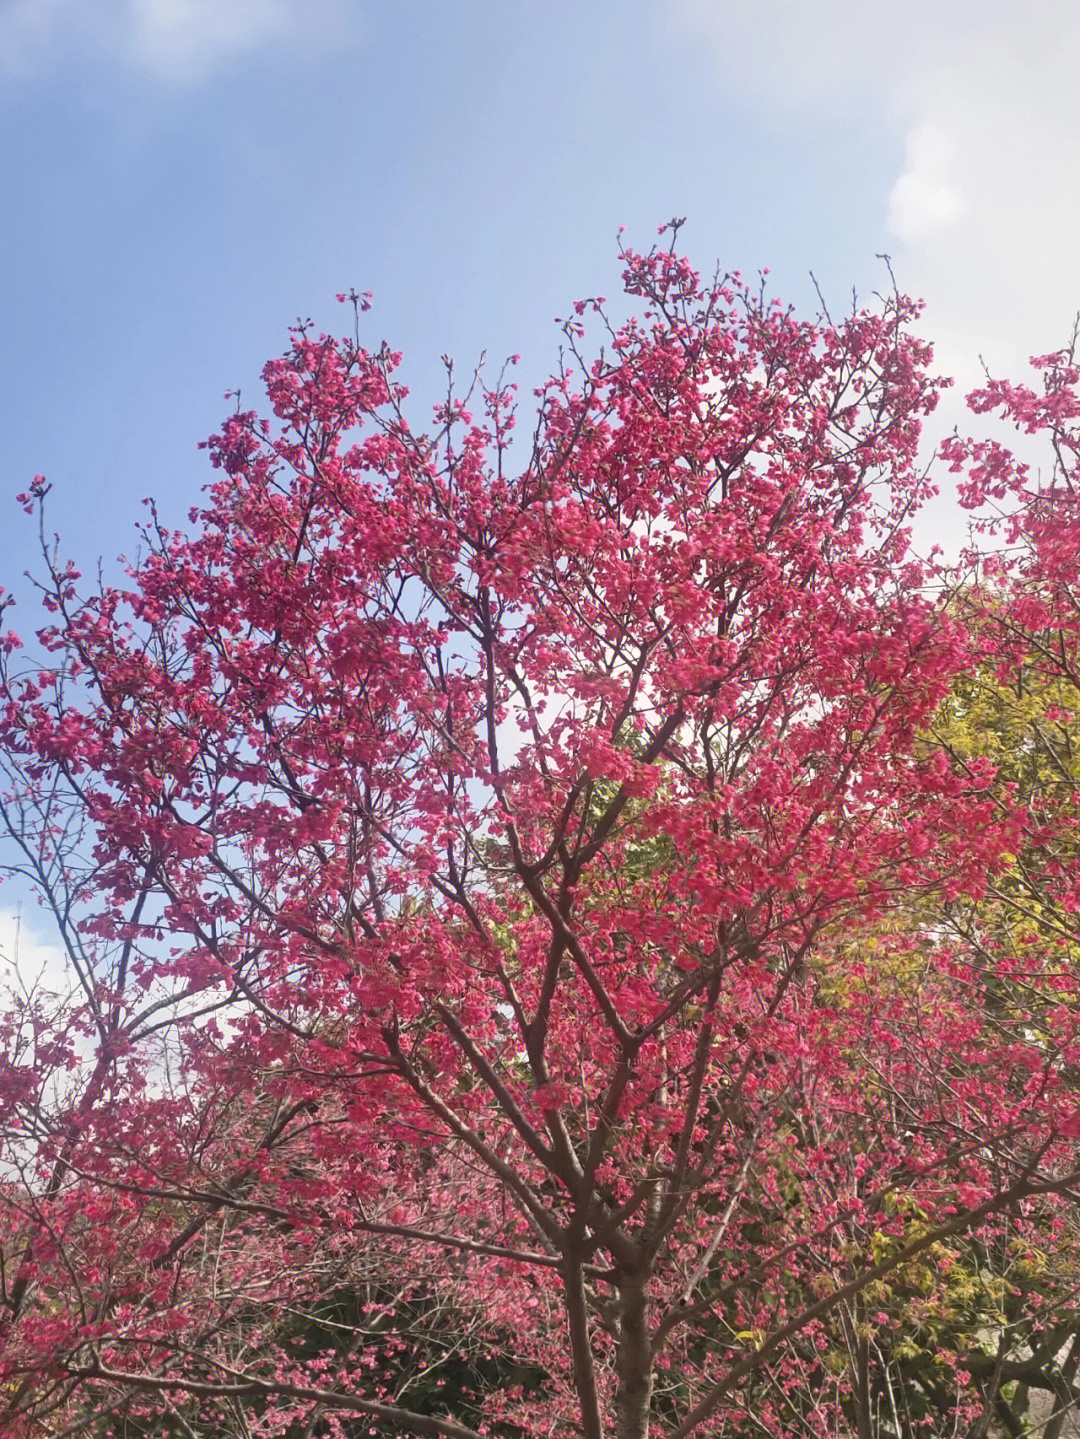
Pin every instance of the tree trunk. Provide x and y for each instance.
(1067, 1410)
(633, 1361)
(592, 1424)
(863, 1398)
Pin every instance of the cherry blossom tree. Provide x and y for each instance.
(502, 887)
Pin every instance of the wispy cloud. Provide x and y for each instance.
(843, 57)
(173, 42)
(28, 29)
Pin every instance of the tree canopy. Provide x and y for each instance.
(566, 937)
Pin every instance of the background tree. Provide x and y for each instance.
(987, 1325)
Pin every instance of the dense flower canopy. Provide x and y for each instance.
(546, 930)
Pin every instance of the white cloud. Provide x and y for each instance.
(185, 40)
(980, 95)
(926, 197)
(831, 56)
(1007, 274)
(173, 42)
(29, 962)
(979, 99)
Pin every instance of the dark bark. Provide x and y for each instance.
(577, 1315)
(633, 1360)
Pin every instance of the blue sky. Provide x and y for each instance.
(183, 178)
